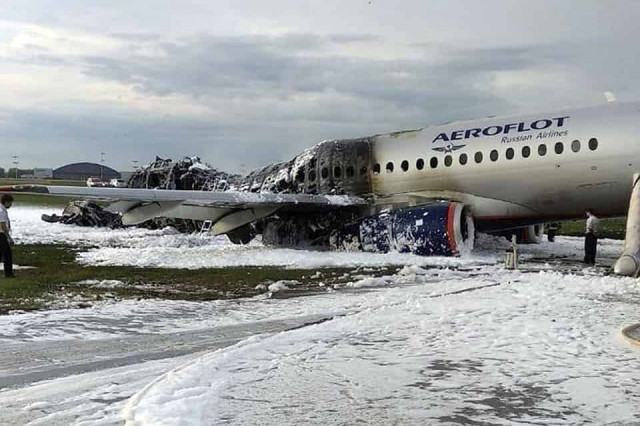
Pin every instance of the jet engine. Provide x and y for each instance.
(438, 229)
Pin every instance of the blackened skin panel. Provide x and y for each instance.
(341, 155)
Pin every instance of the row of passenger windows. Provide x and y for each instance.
(478, 157)
(448, 161)
(350, 172)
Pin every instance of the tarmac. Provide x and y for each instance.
(632, 334)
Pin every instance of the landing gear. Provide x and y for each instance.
(552, 230)
(242, 235)
(629, 262)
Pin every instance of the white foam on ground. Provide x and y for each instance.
(537, 348)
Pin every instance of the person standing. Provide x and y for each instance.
(591, 238)
(552, 231)
(6, 201)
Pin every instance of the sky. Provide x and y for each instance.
(244, 83)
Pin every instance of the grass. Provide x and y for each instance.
(613, 227)
(40, 200)
(56, 274)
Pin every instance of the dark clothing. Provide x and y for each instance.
(5, 255)
(590, 246)
(552, 231)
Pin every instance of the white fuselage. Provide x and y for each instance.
(550, 186)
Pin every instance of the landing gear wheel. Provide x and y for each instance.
(242, 235)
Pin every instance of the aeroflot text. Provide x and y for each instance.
(523, 126)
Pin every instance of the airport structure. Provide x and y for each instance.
(83, 171)
(39, 173)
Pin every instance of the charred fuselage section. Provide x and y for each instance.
(337, 167)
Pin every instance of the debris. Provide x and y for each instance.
(190, 173)
(86, 213)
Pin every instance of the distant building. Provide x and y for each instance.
(40, 173)
(83, 171)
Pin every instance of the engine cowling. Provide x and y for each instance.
(438, 229)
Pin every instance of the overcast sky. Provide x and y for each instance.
(243, 83)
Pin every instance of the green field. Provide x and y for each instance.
(613, 227)
(55, 275)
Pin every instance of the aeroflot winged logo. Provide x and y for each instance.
(448, 148)
(518, 130)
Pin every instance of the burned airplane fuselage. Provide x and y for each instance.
(337, 167)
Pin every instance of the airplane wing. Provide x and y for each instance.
(227, 210)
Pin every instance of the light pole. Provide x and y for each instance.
(15, 164)
(102, 154)
(135, 164)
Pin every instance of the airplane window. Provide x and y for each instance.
(509, 154)
(420, 164)
(593, 144)
(448, 160)
(542, 150)
(363, 170)
(575, 146)
(389, 167)
(526, 151)
(405, 165)
(312, 176)
(478, 157)
(433, 162)
(350, 171)
(324, 173)
(559, 147)
(337, 172)
(493, 155)
(376, 169)
(463, 159)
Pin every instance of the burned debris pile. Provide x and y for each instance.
(188, 174)
(85, 213)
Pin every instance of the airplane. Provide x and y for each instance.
(422, 191)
